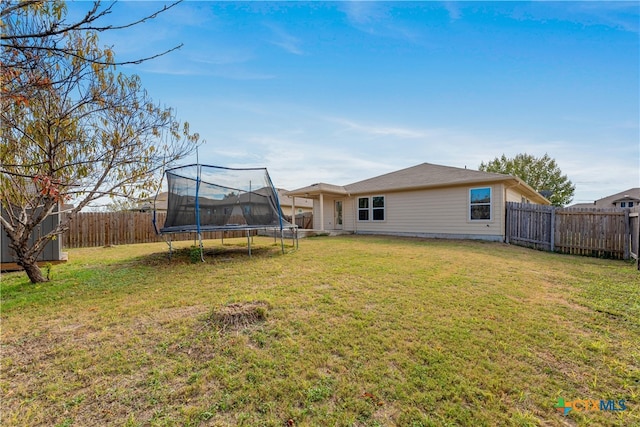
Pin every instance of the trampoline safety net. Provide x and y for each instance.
(213, 198)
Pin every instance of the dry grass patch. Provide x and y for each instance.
(238, 316)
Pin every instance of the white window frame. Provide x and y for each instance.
(490, 204)
(370, 208)
(383, 208)
(365, 209)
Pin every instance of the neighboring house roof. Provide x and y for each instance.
(161, 201)
(285, 200)
(631, 195)
(422, 176)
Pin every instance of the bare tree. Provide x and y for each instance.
(73, 129)
(32, 28)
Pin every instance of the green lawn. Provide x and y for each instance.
(362, 331)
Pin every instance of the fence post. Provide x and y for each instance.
(507, 228)
(553, 229)
(638, 236)
(107, 231)
(627, 236)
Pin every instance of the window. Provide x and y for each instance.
(363, 209)
(623, 204)
(378, 208)
(480, 204)
(630, 204)
(371, 208)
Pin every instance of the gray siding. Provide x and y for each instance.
(51, 252)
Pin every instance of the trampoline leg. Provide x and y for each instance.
(201, 247)
(294, 237)
(249, 242)
(282, 239)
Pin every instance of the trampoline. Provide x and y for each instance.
(214, 198)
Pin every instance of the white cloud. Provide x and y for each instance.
(221, 56)
(192, 14)
(178, 64)
(453, 8)
(284, 40)
(372, 130)
(617, 14)
(620, 15)
(297, 164)
(361, 13)
(375, 18)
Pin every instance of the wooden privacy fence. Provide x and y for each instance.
(303, 220)
(88, 229)
(607, 233)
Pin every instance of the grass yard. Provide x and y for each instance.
(350, 331)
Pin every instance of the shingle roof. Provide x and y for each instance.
(315, 189)
(632, 194)
(423, 176)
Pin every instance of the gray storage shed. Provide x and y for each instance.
(51, 253)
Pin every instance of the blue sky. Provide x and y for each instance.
(337, 92)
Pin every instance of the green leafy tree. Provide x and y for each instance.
(73, 129)
(541, 173)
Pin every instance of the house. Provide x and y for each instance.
(425, 200)
(624, 199)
